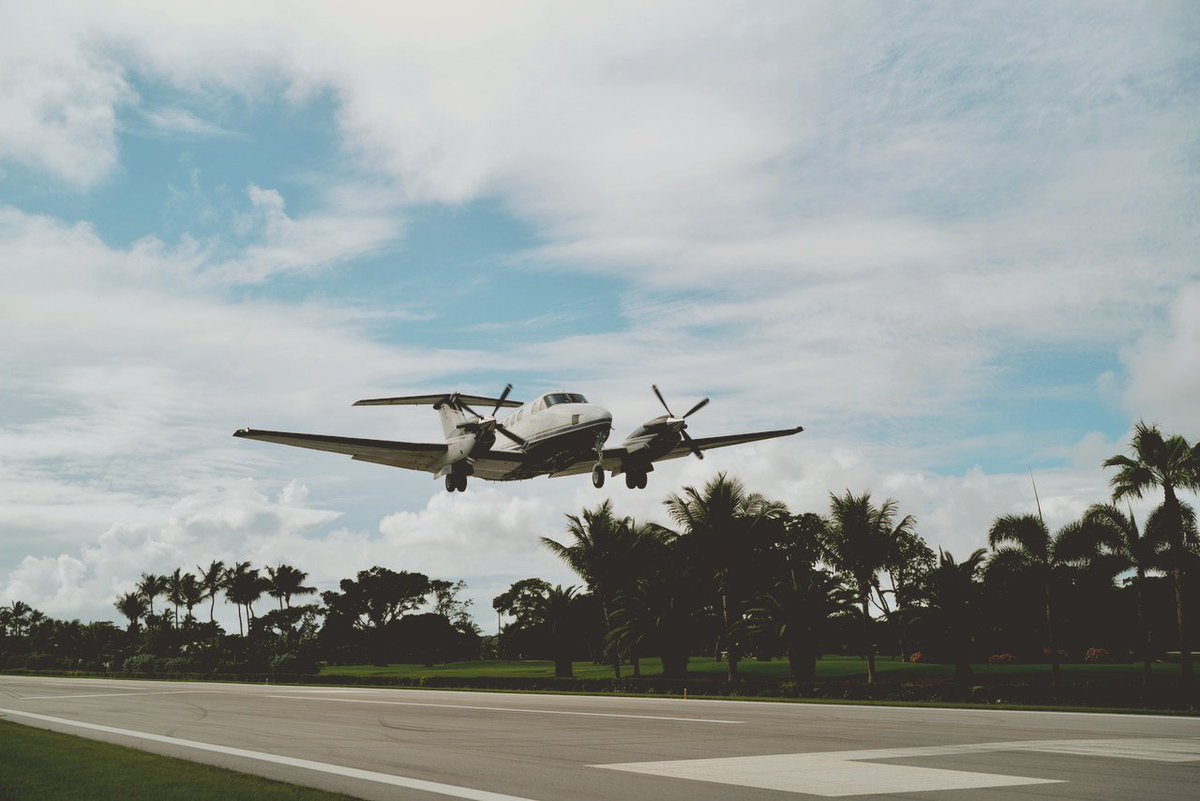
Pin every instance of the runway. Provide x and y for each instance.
(426, 745)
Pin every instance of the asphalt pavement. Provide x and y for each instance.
(434, 744)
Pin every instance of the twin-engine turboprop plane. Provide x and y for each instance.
(559, 434)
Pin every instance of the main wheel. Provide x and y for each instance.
(641, 482)
(451, 482)
(631, 481)
(462, 483)
(597, 476)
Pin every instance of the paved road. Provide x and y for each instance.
(427, 745)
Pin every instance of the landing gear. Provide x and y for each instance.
(598, 476)
(598, 470)
(635, 480)
(456, 482)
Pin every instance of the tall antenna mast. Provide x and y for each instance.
(1035, 497)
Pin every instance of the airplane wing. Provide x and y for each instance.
(708, 443)
(409, 455)
(614, 458)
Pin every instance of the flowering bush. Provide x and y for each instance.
(1097, 656)
(916, 657)
(1001, 659)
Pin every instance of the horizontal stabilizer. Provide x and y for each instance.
(433, 400)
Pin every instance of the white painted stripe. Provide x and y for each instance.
(111, 695)
(845, 773)
(278, 759)
(827, 775)
(504, 709)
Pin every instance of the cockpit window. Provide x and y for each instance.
(556, 398)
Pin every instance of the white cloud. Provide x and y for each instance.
(1164, 369)
(855, 218)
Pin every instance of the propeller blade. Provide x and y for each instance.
(503, 398)
(509, 434)
(696, 408)
(660, 399)
(692, 445)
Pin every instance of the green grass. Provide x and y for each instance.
(830, 667)
(36, 764)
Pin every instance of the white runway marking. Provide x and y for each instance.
(306, 764)
(504, 709)
(110, 695)
(846, 773)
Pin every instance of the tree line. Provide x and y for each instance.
(737, 575)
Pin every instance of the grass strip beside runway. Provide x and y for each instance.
(36, 764)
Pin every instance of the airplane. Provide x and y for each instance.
(559, 434)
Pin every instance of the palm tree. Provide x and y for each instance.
(174, 591)
(603, 552)
(133, 606)
(658, 610)
(191, 594)
(152, 586)
(722, 526)
(18, 617)
(557, 613)
(1118, 546)
(285, 581)
(1172, 464)
(1023, 546)
(212, 579)
(238, 583)
(861, 541)
(953, 597)
(795, 607)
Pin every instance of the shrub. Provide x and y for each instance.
(1001, 659)
(1097, 656)
(142, 663)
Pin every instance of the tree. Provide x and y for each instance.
(1023, 546)
(174, 591)
(242, 588)
(133, 606)
(152, 586)
(557, 613)
(861, 540)
(795, 607)
(18, 617)
(603, 551)
(953, 600)
(369, 603)
(212, 579)
(907, 570)
(1171, 464)
(285, 581)
(191, 593)
(1117, 546)
(724, 530)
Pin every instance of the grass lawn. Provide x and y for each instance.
(830, 667)
(37, 765)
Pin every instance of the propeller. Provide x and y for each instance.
(482, 422)
(683, 428)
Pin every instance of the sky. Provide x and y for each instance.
(956, 242)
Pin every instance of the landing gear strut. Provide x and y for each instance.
(598, 470)
(456, 482)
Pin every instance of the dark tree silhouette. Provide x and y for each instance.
(861, 541)
(1171, 464)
